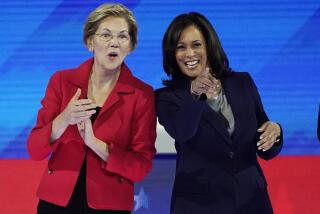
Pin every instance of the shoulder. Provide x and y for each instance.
(164, 91)
(64, 73)
(140, 86)
(240, 77)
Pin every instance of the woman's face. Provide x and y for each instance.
(191, 54)
(111, 43)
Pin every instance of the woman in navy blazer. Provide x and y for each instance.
(218, 122)
(97, 123)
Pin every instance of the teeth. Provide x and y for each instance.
(191, 64)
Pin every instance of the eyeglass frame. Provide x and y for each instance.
(101, 36)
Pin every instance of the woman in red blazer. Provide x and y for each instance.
(97, 123)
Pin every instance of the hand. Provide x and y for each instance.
(78, 110)
(86, 132)
(98, 146)
(270, 133)
(205, 83)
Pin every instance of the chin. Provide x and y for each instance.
(112, 66)
(192, 74)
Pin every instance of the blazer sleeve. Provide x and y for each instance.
(262, 118)
(178, 113)
(135, 162)
(38, 143)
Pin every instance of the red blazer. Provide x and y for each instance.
(127, 122)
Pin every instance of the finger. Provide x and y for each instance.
(264, 145)
(217, 88)
(83, 102)
(264, 135)
(215, 80)
(266, 148)
(81, 119)
(199, 87)
(269, 132)
(82, 113)
(205, 72)
(83, 107)
(203, 81)
(263, 139)
(263, 127)
(261, 142)
(76, 95)
(213, 91)
(218, 85)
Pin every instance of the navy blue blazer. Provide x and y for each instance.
(215, 172)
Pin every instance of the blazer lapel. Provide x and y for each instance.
(80, 77)
(231, 91)
(215, 120)
(182, 87)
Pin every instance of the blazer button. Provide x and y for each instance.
(231, 155)
(50, 171)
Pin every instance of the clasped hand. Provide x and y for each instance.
(205, 83)
(79, 111)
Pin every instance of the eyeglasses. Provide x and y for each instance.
(121, 37)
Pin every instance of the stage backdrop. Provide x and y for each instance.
(276, 41)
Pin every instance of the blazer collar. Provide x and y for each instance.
(79, 77)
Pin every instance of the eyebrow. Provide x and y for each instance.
(122, 31)
(197, 40)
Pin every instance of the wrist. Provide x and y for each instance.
(192, 91)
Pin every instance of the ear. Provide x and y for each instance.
(90, 44)
(131, 49)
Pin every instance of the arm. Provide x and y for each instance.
(135, 161)
(265, 129)
(52, 123)
(39, 143)
(179, 115)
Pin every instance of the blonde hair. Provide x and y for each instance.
(110, 10)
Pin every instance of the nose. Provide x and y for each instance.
(114, 42)
(189, 52)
